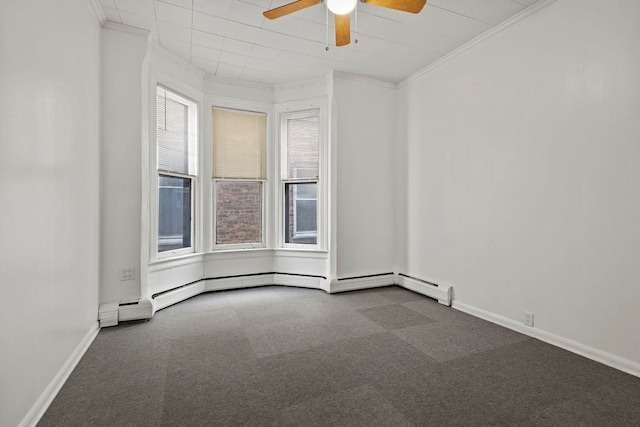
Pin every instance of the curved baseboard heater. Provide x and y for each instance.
(110, 314)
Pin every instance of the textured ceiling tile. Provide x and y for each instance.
(180, 48)
(228, 70)
(201, 38)
(449, 23)
(232, 58)
(144, 8)
(205, 65)
(213, 7)
(246, 13)
(209, 23)
(173, 14)
(175, 32)
(264, 53)
(182, 3)
(245, 33)
(236, 46)
(488, 11)
(205, 53)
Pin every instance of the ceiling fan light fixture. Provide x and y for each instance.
(341, 7)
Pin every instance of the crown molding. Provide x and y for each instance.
(171, 57)
(361, 78)
(127, 29)
(534, 8)
(97, 9)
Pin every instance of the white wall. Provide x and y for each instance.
(124, 85)
(49, 175)
(366, 116)
(522, 177)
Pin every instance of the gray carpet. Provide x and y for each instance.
(292, 356)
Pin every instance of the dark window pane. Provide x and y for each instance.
(174, 216)
(301, 224)
(238, 212)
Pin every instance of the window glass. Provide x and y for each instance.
(238, 212)
(301, 225)
(174, 213)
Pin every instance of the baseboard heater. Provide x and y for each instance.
(237, 276)
(443, 293)
(220, 283)
(110, 314)
(345, 284)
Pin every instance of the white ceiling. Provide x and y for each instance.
(231, 38)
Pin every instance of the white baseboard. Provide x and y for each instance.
(42, 404)
(367, 282)
(440, 292)
(616, 362)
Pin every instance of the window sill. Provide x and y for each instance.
(172, 262)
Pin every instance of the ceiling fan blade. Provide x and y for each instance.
(343, 30)
(289, 8)
(412, 6)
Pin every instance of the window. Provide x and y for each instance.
(239, 177)
(176, 135)
(301, 154)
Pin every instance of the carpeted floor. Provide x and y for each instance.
(291, 356)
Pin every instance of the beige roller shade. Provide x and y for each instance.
(239, 144)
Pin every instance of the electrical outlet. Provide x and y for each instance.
(127, 274)
(528, 318)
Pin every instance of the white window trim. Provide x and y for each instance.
(301, 109)
(267, 190)
(189, 249)
(194, 96)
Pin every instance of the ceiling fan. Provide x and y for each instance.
(342, 10)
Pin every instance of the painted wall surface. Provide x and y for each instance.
(49, 175)
(365, 176)
(123, 57)
(522, 177)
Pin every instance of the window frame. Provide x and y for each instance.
(251, 108)
(301, 110)
(156, 172)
